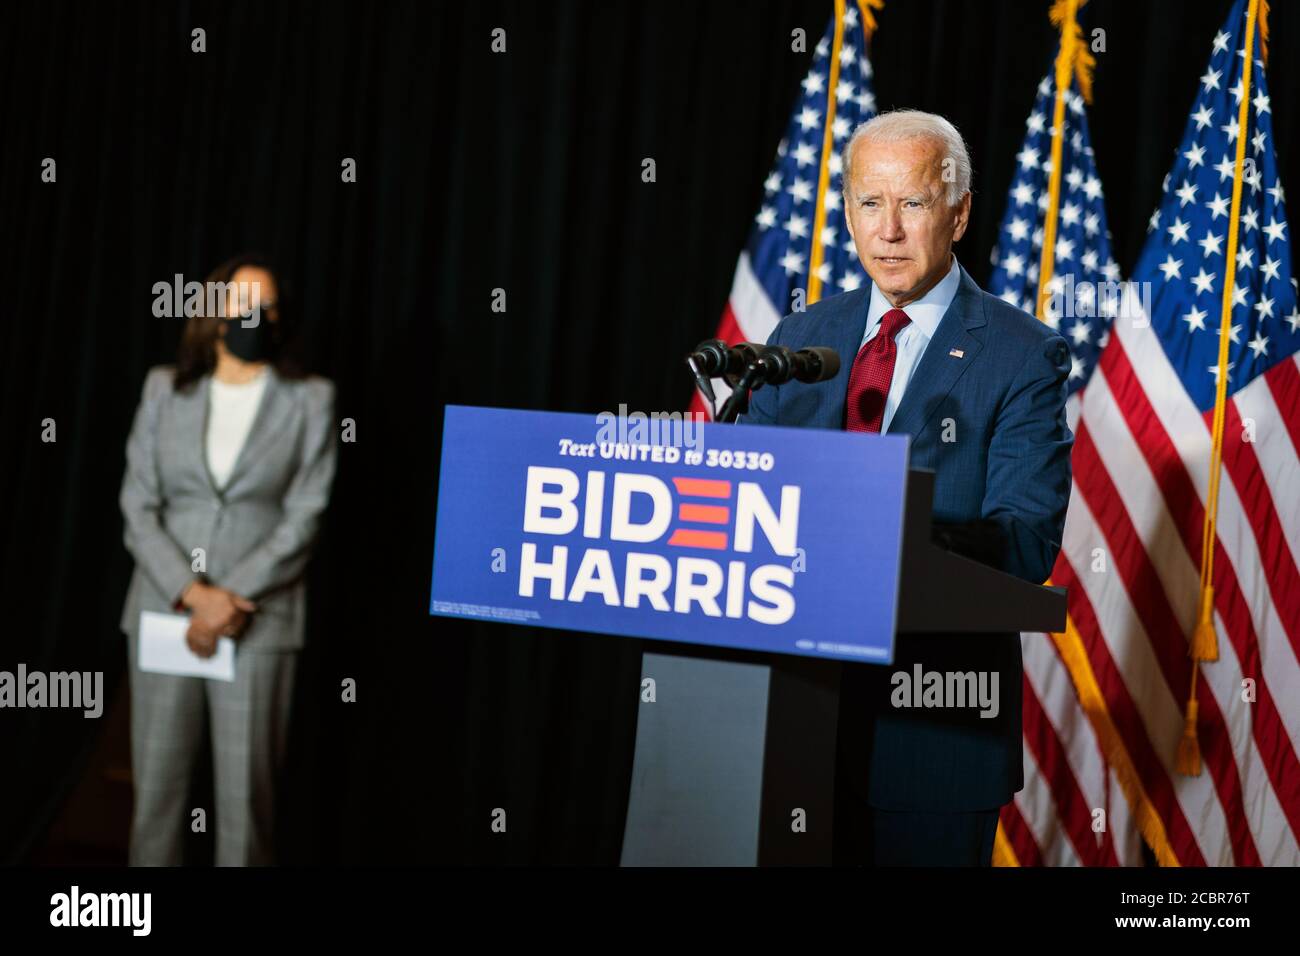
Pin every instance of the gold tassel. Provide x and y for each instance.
(1205, 643)
(1082, 61)
(1263, 31)
(1188, 761)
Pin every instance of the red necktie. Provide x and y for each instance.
(872, 372)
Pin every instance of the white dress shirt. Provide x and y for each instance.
(925, 313)
(231, 409)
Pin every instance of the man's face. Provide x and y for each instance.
(898, 215)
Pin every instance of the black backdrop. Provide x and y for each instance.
(476, 171)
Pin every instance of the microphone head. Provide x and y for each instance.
(710, 356)
(817, 364)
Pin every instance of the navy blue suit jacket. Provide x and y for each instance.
(990, 422)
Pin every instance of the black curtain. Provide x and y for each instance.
(476, 171)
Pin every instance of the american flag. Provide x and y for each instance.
(1051, 821)
(801, 217)
(1132, 550)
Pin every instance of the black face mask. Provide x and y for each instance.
(251, 343)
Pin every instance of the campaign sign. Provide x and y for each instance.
(767, 539)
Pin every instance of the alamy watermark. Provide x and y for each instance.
(180, 299)
(77, 690)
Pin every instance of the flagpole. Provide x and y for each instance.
(1205, 643)
(1070, 58)
(828, 145)
(816, 251)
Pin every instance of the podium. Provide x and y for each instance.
(735, 758)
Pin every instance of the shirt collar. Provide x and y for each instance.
(927, 311)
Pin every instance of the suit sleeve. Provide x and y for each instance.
(282, 557)
(1028, 487)
(763, 402)
(156, 552)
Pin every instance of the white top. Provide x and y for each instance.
(925, 313)
(231, 409)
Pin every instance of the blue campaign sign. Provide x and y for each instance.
(766, 539)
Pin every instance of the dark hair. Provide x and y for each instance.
(197, 355)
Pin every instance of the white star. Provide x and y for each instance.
(1218, 206)
(1092, 187)
(1074, 178)
(792, 262)
(1203, 281)
(1276, 191)
(1225, 168)
(1111, 270)
(1154, 220)
(1195, 319)
(850, 281)
(1250, 219)
(1275, 229)
(1186, 194)
(1214, 369)
(1018, 228)
(1091, 223)
(1195, 155)
(1293, 319)
(1064, 249)
(1237, 91)
(1261, 104)
(1220, 42)
(1178, 231)
(1210, 243)
(1022, 194)
(1035, 123)
(1270, 268)
(773, 182)
(1170, 267)
(1265, 307)
(1259, 344)
(1204, 117)
(832, 200)
(797, 226)
(1076, 367)
(813, 83)
(801, 190)
(808, 118)
(1011, 297)
(840, 128)
(1233, 332)
(766, 218)
(1069, 214)
(1015, 265)
(828, 235)
(1238, 295)
(843, 91)
(1080, 332)
(1028, 157)
(1245, 258)
(1211, 79)
(1257, 141)
(1232, 129)
(804, 154)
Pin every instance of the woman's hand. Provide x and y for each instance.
(215, 612)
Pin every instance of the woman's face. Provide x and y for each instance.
(251, 287)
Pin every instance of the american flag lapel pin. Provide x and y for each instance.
(956, 353)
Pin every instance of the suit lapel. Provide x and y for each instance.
(939, 369)
(846, 339)
(265, 431)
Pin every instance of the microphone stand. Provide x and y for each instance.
(738, 402)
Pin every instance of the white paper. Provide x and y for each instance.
(163, 649)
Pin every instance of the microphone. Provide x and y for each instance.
(779, 364)
(715, 359)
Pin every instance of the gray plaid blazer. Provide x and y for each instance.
(257, 532)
